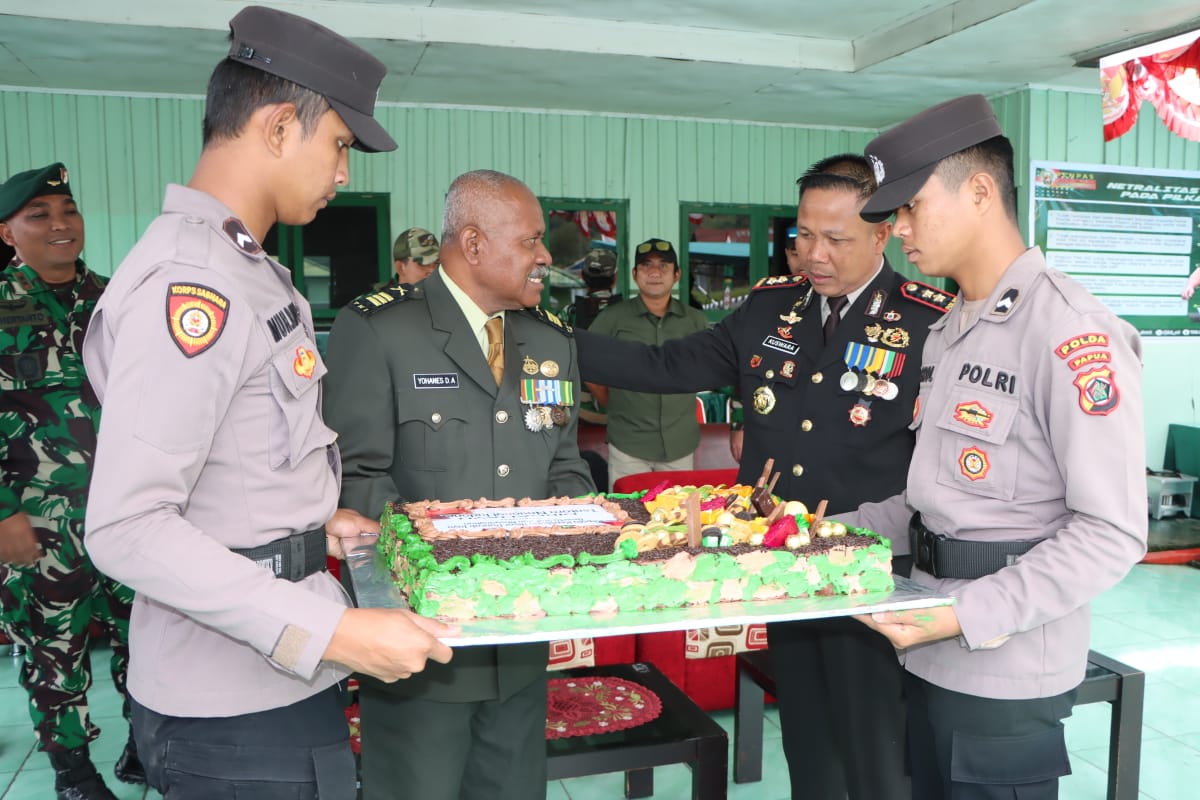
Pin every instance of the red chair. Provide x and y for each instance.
(690, 477)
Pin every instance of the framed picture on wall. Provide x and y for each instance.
(1130, 236)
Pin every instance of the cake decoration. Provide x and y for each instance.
(671, 547)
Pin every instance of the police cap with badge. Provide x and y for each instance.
(24, 186)
(311, 55)
(905, 156)
(348, 77)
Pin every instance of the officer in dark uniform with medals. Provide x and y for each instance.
(460, 388)
(828, 366)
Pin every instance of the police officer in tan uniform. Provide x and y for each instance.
(432, 391)
(216, 480)
(1027, 480)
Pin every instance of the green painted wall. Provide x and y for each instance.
(121, 152)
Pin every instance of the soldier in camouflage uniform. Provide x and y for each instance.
(50, 592)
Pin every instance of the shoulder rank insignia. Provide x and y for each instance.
(1006, 302)
(549, 318)
(241, 237)
(373, 302)
(780, 281)
(927, 295)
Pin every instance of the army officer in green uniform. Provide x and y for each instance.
(440, 392)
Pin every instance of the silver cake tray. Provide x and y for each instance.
(374, 588)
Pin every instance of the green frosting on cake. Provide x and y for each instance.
(482, 585)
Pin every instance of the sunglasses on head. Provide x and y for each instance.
(644, 247)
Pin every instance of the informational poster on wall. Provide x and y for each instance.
(1131, 236)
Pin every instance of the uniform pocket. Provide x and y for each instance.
(975, 455)
(431, 429)
(295, 428)
(1009, 760)
(207, 771)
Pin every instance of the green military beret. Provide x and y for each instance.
(24, 186)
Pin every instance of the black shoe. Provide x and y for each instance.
(129, 767)
(75, 777)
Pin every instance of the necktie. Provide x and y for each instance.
(835, 315)
(495, 355)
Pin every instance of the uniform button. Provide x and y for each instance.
(797, 470)
(770, 374)
(436, 418)
(806, 425)
(502, 416)
(817, 377)
(193, 220)
(502, 470)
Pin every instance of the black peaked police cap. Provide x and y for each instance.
(905, 156)
(316, 58)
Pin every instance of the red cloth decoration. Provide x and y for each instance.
(583, 706)
(1168, 80)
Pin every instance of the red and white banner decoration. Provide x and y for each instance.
(1169, 80)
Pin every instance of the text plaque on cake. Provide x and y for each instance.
(374, 588)
(519, 517)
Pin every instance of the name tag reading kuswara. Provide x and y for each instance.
(440, 380)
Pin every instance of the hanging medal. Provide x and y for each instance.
(860, 413)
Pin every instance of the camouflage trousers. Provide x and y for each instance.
(49, 608)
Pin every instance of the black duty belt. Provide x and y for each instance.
(293, 558)
(943, 557)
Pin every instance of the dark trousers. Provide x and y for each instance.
(841, 707)
(298, 752)
(485, 750)
(977, 748)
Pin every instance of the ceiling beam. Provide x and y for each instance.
(916, 32)
(384, 21)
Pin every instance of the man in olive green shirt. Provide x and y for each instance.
(650, 432)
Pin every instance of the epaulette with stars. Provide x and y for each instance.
(549, 318)
(780, 281)
(927, 295)
(373, 302)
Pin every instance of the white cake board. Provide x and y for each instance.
(374, 588)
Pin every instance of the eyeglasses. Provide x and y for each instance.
(662, 245)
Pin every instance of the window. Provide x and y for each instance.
(344, 252)
(728, 249)
(574, 226)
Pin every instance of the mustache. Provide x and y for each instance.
(539, 273)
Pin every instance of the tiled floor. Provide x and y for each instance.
(1151, 621)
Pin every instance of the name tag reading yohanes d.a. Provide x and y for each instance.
(439, 380)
